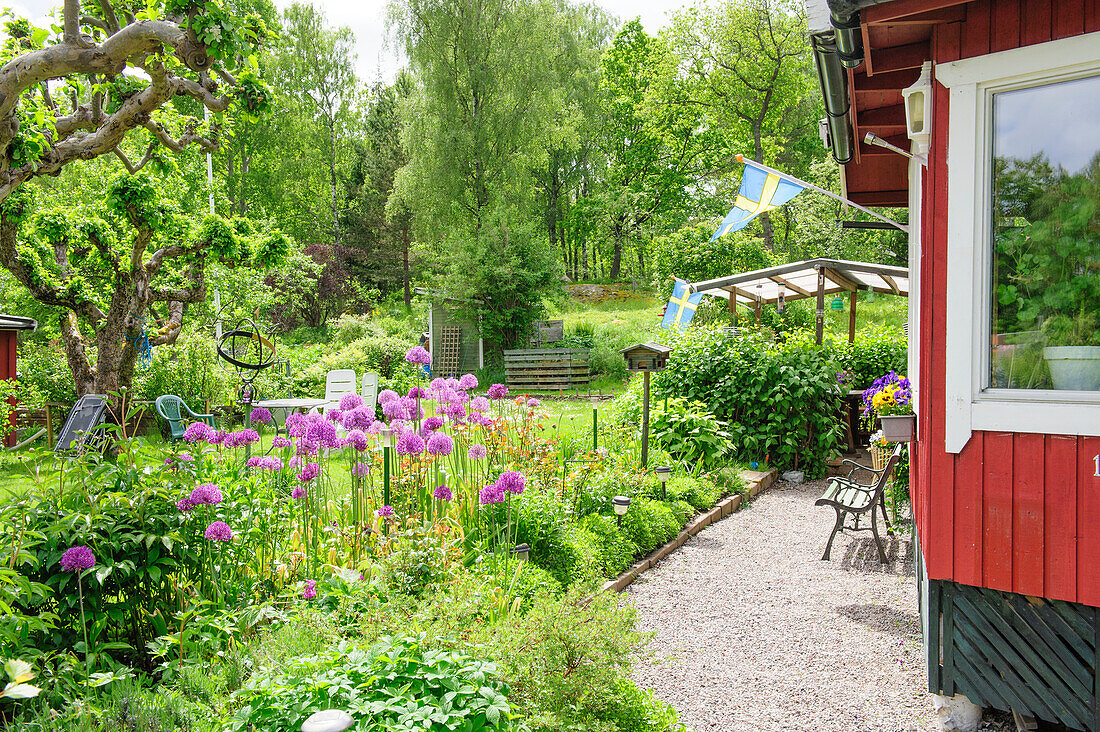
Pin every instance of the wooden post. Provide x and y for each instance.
(820, 304)
(758, 311)
(852, 297)
(733, 309)
(645, 419)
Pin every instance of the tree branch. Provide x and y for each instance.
(131, 167)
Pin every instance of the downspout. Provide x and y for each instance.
(849, 40)
(834, 87)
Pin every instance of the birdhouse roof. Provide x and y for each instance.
(650, 347)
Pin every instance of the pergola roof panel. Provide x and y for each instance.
(798, 280)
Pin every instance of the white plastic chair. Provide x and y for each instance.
(369, 390)
(338, 384)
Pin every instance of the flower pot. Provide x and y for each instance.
(1074, 368)
(879, 456)
(898, 427)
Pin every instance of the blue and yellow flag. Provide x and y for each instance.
(760, 191)
(681, 306)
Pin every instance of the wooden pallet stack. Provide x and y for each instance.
(546, 369)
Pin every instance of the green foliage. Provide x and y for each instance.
(700, 493)
(221, 238)
(684, 428)
(781, 399)
(688, 254)
(400, 684)
(614, 551)
(541, 522)
(383, 355)
(875, 352)
(650, 524)
(190, 369)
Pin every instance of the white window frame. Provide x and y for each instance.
(969, 406)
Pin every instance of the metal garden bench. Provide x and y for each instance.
(849, 498)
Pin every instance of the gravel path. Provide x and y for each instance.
(753, 632)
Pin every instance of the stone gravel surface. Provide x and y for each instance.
(752, 631)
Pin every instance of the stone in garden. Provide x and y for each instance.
(793, 476)
(957, 713)
(329, 720)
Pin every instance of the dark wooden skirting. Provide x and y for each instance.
(1031, 655)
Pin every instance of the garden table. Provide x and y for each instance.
(298, 404)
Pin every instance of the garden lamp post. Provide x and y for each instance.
(620, 504)
(329, 720)
(387, 445)
(662, 475)
(646, 357)
(522, 552)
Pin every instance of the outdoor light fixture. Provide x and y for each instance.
(620, 504)
(387, 437)
(780, 305)
(918, 108)
(329, 720)
(522, 552)
(837, 303)
(662, 475)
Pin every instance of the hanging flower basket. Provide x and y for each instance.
(898, 427)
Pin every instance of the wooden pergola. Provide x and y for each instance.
(810, 278)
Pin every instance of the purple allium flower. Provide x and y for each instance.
(498, 391)
(533, 403)
(442, 492)
(467, 382)
(293, 420)
(335, 416)
(511, 481)
(218, 438)
(305, 447)
(322, 433)
(295, 462)
(218, 531)
(185, 505)
(309, 472)
(433, 423)
(185, 457)
(260, 415)
(477, 452)
(479, 418)
(206, 494)
(359, 418)
(198, 432)
(386, 396)
(385, 512)
(77, 559)
(440, 444)
(393, 409)
(350, 402)
(281, 442)
(310, 591)
(491, 494)
(298, 493)
(437, 383)
(358, 440)
(360, 470)
(266, 463)
(418, 355)
(410, 443)
(247, 436)
(480, 404)
(254, 461)
(417, 393)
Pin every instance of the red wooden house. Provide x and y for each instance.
(10, 326)
(996, 107)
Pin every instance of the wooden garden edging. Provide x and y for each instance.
(546, 369)
(757, 482)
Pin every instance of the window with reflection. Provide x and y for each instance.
(1045, 328)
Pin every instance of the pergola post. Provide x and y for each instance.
(820, 303)
(733, 309)
(852, 316)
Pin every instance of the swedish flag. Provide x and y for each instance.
(760, 191)
(681, 306)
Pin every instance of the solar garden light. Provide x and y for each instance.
(522, 552)
(662, 475)
(329, 720)
(620, 504)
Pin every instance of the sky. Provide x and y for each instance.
(1062, 121)
(367, 20)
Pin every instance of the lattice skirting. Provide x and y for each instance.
(1013, 652)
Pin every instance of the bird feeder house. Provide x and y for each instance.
(646, 357)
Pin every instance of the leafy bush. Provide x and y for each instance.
(683, 428)
(781, 400)
(190, 368)
(540, 521)
(875, 352)
(690, 254)
(613, 549)
(385, 356)
(400, 684)
(699, 493)
(649, 524)
(44, 372)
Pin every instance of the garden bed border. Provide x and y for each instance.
(755, 483)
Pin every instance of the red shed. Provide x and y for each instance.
(996, 106)
(9, 327)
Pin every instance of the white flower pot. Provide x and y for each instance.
(1074, 368)
(898, 427)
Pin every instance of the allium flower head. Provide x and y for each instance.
(350, 402)
(480, 404)
(418, 355)
(467, 382)
(417, 393)
(77, 559)
(498, 391)
(218, 438)
(218, 531)
(479, 418)
(310, 591)
(359, 418)
(335, 416)
(442, 493)
(185, 457)
(533, 403)
(440, 444)
(360, 470)
(358, 440)
(477, 452)
(309, 472)
(386, 396)
(281, 441)
(511, 481)
(293, 420)
(431, 424)
(206, 494)
(198, 432)
(247, 436)
(491, 494)
(410, 443)
(385, 512)
(298, 493)
(260, 415)
(185, 505)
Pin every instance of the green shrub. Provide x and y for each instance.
(190, 368)
(649, 524)
(401, 683)
(682, 510)
(540, 521)
(689, 253)
(699, 493)
(614, 550)
(875, 352)
(385, 356)
(584, 547)
(682, 428)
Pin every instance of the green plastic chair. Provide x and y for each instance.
(173, 410)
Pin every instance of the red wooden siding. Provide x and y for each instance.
(1015, 512)
(7, 368)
